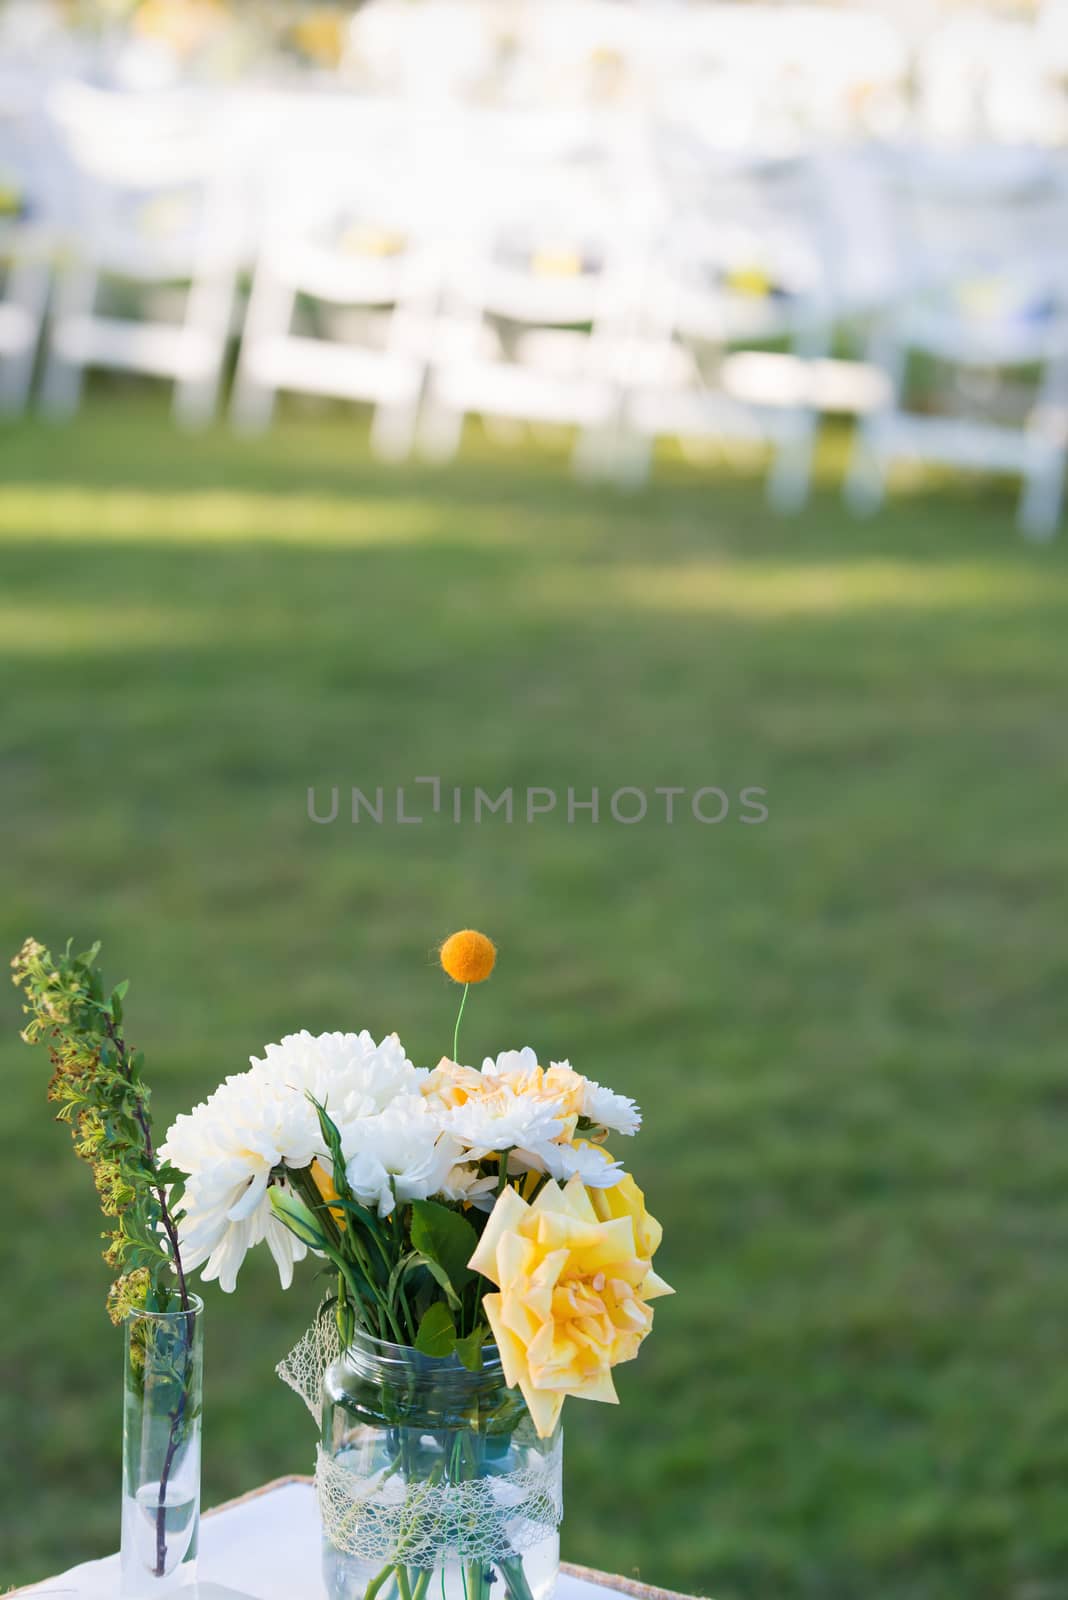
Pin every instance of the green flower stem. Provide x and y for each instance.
(456, 1030)
(304, 1183)
(422, 1584)
(515, 1578)
(376, 1583)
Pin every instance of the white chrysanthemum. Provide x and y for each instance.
(503, 1121)
(616, 1112)
(348, 1073)
(229, 1146)
(583, 1160)
(518, 1064)
(467, 1183)
(399, 1155)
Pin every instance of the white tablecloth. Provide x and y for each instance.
(265, 1547)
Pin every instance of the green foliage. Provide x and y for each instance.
(446, 1238)
(437, 1331)
(391, 1272)
(99, 1087)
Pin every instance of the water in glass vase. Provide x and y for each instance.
(161, 1446)
(432, 1483)
(350, 1578)
(141, 1538)
(437, 1516)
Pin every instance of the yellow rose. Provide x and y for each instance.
(625, 1199)
(573, 1296)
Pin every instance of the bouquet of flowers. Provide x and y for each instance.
(477, 1234)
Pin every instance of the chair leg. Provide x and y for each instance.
(270, 311)
(210, 310)
(28, 290)
(791, 470)
(61, 386)
(864, 489)
(441, 428)
(393, 430)
(1040, 503)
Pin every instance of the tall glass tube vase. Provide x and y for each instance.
(162, 1383)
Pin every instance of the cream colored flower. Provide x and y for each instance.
(489, 1113)
(515, 1105)
(573, 1300)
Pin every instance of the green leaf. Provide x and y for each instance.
(437, 1331)
(446, 1237)
(469, 1349)
(440, 1277)
(353, 1208)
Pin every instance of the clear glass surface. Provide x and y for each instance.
(162, 1396)
(437, 1485)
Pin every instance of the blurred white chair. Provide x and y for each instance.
(539, 290)
(29, 239)
(342, 301)
(158, 227)
(983, 77)
(589, 52)
(735, 314)
(983, 298)
(427, 52)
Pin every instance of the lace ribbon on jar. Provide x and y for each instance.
(487, 1519)
(385, 1519)
(304, 1368)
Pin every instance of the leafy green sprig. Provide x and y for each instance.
(98, 1085)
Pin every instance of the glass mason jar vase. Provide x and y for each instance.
(432, 1483)
(162, 1394)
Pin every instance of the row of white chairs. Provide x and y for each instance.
(533, 273)
(749, 70)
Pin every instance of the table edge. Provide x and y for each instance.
(604, 1580)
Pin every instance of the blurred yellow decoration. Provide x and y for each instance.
(556, 264)
(982, 297)
(166, 215)
(321, 36)
(751, 281)
(365, 239)
(183, 25)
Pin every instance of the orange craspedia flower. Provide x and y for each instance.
(468, 956)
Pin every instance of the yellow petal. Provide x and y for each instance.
(550, 1197)
(544, 1408)
(600, 1388)
(507, 1216)
(653, 1285)
(511, 1349)
(577, 1200)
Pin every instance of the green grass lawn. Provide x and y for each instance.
(847, 1026)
